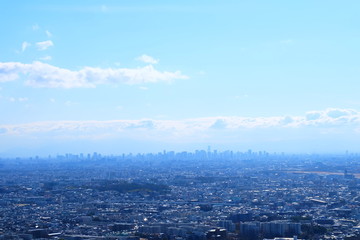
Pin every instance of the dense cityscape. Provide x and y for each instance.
(201, 195)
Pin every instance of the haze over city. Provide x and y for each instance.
(143, 76)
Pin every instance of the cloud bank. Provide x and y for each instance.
(44, 75)
(327, 131)
(337, 119)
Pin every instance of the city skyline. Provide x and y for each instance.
(114, 77)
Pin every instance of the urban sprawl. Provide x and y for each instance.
(201, 195)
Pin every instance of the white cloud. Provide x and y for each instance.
(24, 46)
(40, 74)
(46, 58)
(332, 117)
(211, 126)
(8, 76)
(20, 99)
(48, 34)
(338, 113)
(147, 59)
(44, 45)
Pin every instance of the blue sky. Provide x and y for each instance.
(143, 76)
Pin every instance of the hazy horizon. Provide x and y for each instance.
(123, 76)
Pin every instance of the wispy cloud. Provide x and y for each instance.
(40, 74)
(24, 46)
(147, 59)
(20, 99)
(48, 33)
(46, 58)
(23, 99)
(44, 45)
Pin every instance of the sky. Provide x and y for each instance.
(143, 76)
